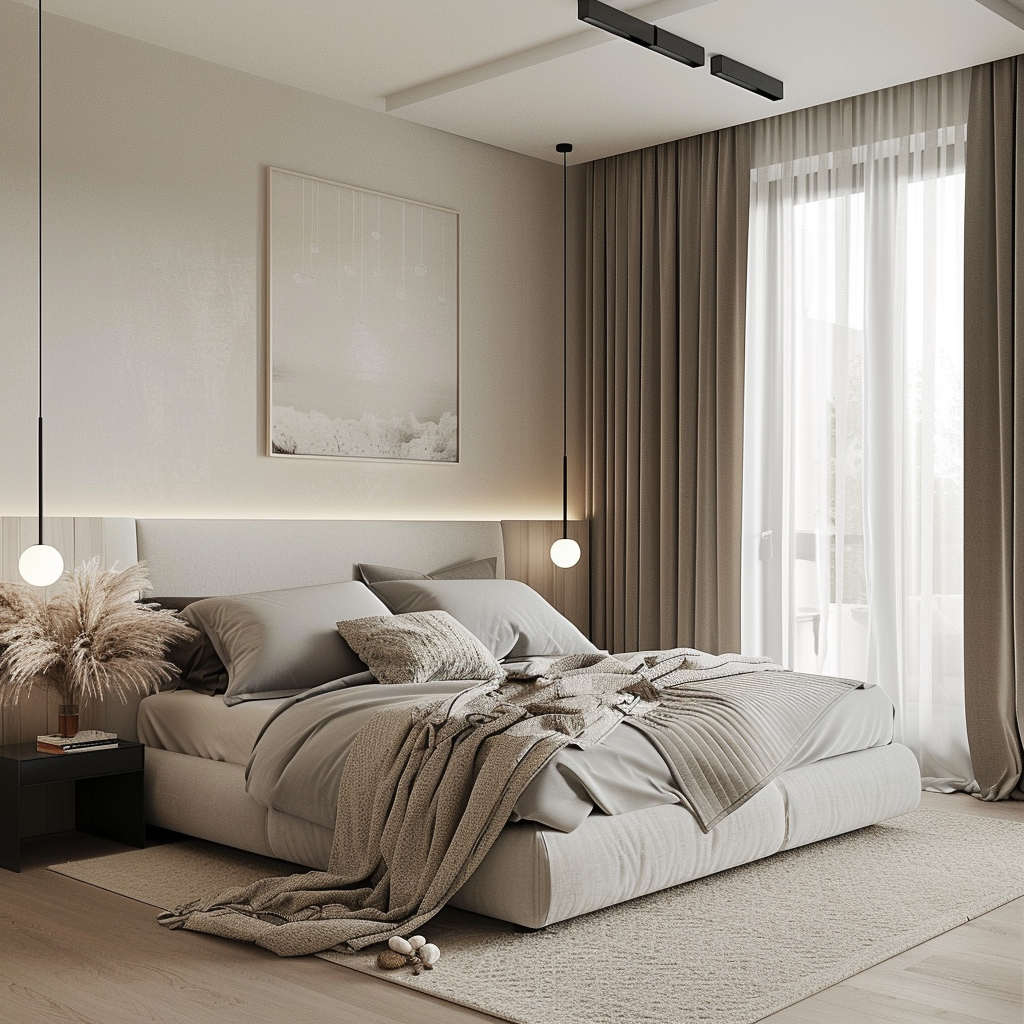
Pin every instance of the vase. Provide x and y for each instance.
(68, 719)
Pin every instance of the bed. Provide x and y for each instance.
(848, 774)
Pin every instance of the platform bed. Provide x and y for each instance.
(534, 875)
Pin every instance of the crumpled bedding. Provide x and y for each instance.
(623, 773)
(425, 792)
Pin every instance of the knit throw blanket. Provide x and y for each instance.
(426, 791)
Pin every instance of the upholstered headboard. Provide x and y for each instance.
(234, 556)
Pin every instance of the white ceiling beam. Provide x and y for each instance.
(1006, 10)
(652, 12)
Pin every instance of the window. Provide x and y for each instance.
(853, 459)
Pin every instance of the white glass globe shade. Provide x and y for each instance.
(565, 552)
(40, 565)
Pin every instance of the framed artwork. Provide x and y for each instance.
(363, 323)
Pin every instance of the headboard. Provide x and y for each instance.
(208, 557)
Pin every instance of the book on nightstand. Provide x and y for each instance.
(88, 739)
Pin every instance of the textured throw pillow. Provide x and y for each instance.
(508, 617)
(283, 639)
(418, 647)
(481, 569)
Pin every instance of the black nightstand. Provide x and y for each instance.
(108, 792)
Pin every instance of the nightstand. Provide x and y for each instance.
(108, 792)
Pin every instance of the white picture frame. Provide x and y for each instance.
(362, 323)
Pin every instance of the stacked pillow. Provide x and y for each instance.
(406, 626)
(509, 618)
(281, 642)
(457, 623)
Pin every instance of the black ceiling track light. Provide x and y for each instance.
(670, 45)
(600, 15)
(628, 26)
(733, 71)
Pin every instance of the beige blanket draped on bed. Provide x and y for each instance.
(425, 792)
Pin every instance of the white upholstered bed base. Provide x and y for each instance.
(532, 876)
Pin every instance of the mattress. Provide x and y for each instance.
(192, 723)
(624, 773)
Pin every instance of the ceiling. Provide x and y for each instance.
(525, 74)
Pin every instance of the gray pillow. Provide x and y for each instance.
(510, 619)
(283, 639)
(199, 667)
(419, 647)
(481, 569)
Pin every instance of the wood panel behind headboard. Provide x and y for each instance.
(78, 539)
(527, 557)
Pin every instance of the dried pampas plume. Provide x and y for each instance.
(92, 639)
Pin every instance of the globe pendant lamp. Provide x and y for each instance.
(565, 553)
(40, 564)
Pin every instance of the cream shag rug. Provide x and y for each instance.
(728, 949)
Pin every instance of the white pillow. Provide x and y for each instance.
(284, 639)
(509, 618)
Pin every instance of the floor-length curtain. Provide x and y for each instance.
(665, 293)
(994, 431)
(853, 462)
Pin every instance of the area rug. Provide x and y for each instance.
(728, 949)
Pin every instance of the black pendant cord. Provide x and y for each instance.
(40, 437)
(565, 148)
(565, 357)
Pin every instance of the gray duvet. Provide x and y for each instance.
(297, 764)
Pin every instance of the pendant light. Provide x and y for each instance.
(40, 564)
(565, 552)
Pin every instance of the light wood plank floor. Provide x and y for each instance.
(973, 974)
(73, 953)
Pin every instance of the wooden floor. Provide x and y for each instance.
(70, 952)
(973, 974)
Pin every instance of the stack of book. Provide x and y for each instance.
(88, 739)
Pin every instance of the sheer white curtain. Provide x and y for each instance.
(853, 457)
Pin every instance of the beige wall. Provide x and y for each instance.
(155, 171)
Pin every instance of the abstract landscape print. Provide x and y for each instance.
(363, 323)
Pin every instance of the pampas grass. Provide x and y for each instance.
(92, 639)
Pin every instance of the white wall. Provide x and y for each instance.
(154, 374)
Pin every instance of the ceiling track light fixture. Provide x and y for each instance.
(40, 564)
(745, 77)
(670, 45)
(652, 37)
(626, 26)
(619, 23)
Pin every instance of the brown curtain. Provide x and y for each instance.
(666, 304)
(994, 426)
